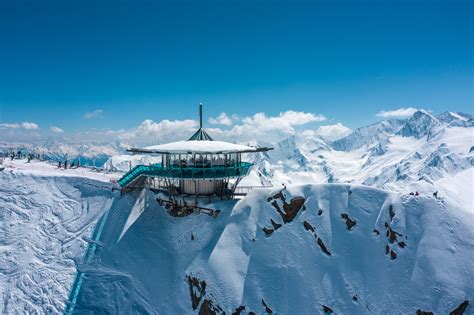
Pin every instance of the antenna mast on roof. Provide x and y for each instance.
(200, 115)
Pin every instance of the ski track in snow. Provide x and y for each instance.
(43, 222)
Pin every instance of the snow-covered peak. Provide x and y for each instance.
(419, 125)
(448, 117)
(360, 137)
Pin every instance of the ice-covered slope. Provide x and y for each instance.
(44, 224)
(306, 249)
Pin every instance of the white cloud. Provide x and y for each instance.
(94, 114)
(164, 127)
(56, 129)
(25, 125)
(333, 132)
(285, 122)
(29, 125)
(256, 127)
(222, 119)
(259, 127)
(9, 126)
(153, 132)
(397, 113)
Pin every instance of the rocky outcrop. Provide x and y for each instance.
(208, 308)
(327, 310)
(392, 236)
(323, 247)
(420, 312)
(268, 310)
(349, 222)
(238, 310)
(197, 290)
(460, 309)
(288, 211)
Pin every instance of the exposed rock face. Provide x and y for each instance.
(323, 247)
(392, 236)
(308, 226)
(238, 310)
(349, 222)
(460, 309)
(420, 312)
(276, 226)
(197, 290)
(267, 231)
(419, 125)
(208, 308)
(327, 310)
(290, 210)
(267, 309)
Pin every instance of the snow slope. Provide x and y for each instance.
(44, 225)
(403, 254)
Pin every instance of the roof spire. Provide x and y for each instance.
(200, 115)
(201, 134)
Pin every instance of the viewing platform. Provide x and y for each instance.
(199, 167)
(186, 172)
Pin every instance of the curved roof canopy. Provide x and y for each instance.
(202, 146)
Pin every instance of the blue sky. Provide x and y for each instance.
(134, 60)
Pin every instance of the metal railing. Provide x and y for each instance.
(244, 190)
(213, 172)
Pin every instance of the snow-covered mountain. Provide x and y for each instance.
(375, 133)
(423, 153)
(310, 249)
(61, 149)
(306, 249)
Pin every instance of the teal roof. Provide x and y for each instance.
(200, 135)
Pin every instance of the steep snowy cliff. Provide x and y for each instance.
(303, 250)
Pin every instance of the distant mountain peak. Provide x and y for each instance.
(420, 124)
